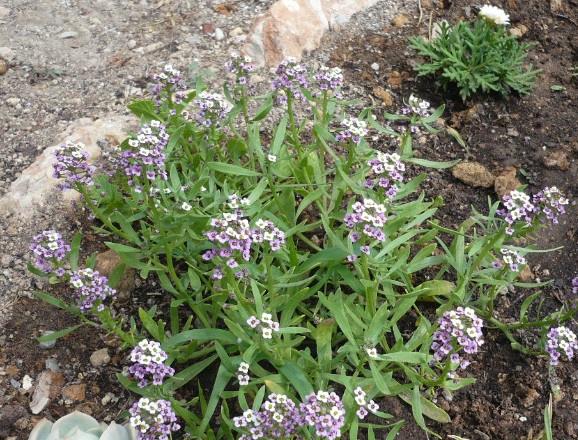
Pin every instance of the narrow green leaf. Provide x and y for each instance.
(235, 170)
(59, 334)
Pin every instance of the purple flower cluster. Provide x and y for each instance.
(278, 419)
(71, 164)
(91, 289)
(292, 77)
(545, 207)
(281, 418)
(325, 412)
(241, 67)
(561, 340)
(518, 207)
(511, 258)
(388, 169)
(144, 156)
(50, 250)
(549, 204)
(212, 109)
(170, 86)
(458, 329)
(233, 238)
(371, 217)
(329, 79)
(355, 129)
(575, 286)
(149, 359)
(417, 106)
(364, 407)
(265, 325)
(153, 420)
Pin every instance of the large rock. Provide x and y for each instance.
(293, 26)
(34, 189)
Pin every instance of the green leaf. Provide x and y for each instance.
(51, 300)
(297, 378)
(201, 335)
(379, 323)
(59, 334)
(235, 170)
(264, 110)
(421, 406)
(185, 376)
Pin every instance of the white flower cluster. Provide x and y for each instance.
(519, 205)
(235, 201)
(360, 399)
(355, 126)
(150, 352)
(495, 14)
(266, 325)
(243, 373)
(418, 106)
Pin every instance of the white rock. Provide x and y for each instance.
(26, 382)
(13, 102)
(68, 34)
(7, 54)
(375, 66)
(131, 44)
(236, 32)
(219, 34)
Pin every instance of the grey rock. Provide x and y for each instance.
(47, 345)
(100, 358)
(7, 54)
(52, 365)
(68, 34)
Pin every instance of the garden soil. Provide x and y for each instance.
(531, 138)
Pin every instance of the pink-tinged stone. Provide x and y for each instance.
(293, 26)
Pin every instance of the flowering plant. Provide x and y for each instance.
(291, 260)
(477, 55)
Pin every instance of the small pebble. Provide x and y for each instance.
(68, 34)
(375, 66)
(219, 34)
(47, 345)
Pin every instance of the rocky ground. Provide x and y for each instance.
(63, 60)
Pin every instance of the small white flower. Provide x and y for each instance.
(372, 406)
(336, 412)
(323, 396)
(371, 352)
(267, 333)
(495, 14)
(266, 317)
(244, 367)
(269, 406)
(186, 206)
(360, 400)
(271, 158)
(277, 417)
(77, 283)
(203, 189)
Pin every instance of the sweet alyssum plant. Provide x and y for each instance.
(308, 274)
(478, 55)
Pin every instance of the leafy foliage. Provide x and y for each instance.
(476, 56)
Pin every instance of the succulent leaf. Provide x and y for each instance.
(75, 419)
(115, 432)
(41, 430)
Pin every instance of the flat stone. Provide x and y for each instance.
(7, 54)
(76, 393)
(384, 96)
(399, 20)
(48, 386)
(35, 189)
(557, 160)
(68, 34)
(219, 34)
(473, 174)
(99, 358)
(506, 182)
(106, 263)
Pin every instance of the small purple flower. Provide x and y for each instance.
(561, 341)
(91, 290)
(72, 166)
(212, 110)
(459, 329)
(366, 222)
(170, 86)
(388, 173)
(329, 79)
(279, 418)
(291, 77)
(512, 259)
(323, 411)
(153, 420)
(149, 361)
(354, 129)
(50, 251)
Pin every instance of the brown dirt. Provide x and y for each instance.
(512, 390)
